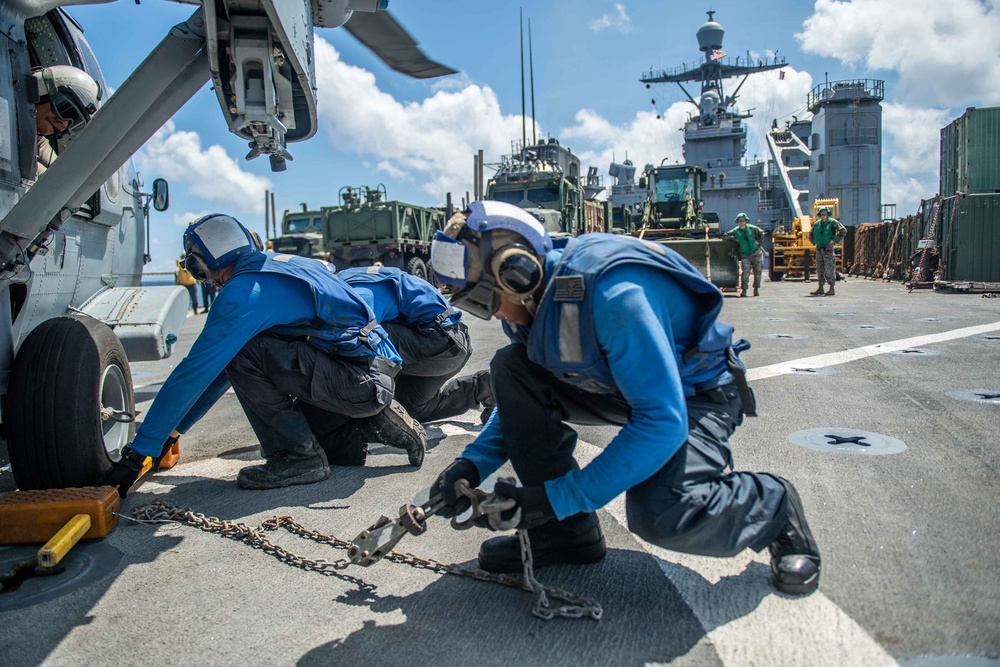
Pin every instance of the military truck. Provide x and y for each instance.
(545, 180)
(364, 229)
(672, 215)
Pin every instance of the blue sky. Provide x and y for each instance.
(418, 137)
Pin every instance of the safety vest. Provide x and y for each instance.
(343, 318)
(747, 239)
(824, 233)
(562, 337)
(419, 302)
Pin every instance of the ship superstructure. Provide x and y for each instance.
(715, 137)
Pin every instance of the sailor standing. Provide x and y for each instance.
(749, 238)
(826, 233)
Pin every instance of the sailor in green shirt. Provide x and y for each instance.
(826, 233)
(751, 254)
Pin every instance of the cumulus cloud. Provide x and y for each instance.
(209, 173)
(946, 53)
(429, 143)
(619, 20)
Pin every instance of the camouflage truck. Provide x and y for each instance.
(545, 180)
(364, 229)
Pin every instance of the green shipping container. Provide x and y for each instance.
(970, 153)
(970, 237)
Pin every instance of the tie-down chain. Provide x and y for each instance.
(378, 540)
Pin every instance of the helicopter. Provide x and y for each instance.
(74, 238)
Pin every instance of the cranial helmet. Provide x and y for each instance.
(71, 91)
(742, 216)
(491, 249)
(213, 242)
(825, 208)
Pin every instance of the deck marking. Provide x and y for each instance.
(835, 358)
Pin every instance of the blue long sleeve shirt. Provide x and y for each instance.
(641, 317)
(247, 305)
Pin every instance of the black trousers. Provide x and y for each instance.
(295, 394)
(431, 358)
(694, 504)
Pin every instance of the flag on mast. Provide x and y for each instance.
(716, 54)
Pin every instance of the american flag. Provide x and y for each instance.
(716, 54)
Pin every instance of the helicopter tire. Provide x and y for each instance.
(417, 267)
(67, 370)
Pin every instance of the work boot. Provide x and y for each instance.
(286, 468)
(830, 291)
(395, 427)
(575, 540)
(794, 555)
(756, 291)
(818, 292)
(743, 292)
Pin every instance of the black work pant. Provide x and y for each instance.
(694, 504)
(432, 356)
(295, 394)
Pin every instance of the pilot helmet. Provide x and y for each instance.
(491, 250)
(214, 242)
(73, 94)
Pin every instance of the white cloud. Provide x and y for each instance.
(619, 20)
(915, 137)
(428, 143)
(182, 220)
(210, 173)
(946, 53)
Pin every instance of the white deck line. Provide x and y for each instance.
(835, 358)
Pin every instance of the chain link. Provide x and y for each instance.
(573, 606)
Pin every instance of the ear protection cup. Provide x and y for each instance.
(516, 270)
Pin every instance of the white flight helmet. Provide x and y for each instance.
(214, 242)
(491, 249)
(73, 93)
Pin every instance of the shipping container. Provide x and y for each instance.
(970, 153)
(970, 237)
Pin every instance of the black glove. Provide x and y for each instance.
(533, 501)
(124, 472)
(445, 485)
(171, 441)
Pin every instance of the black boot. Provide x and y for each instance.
(286, 468)
(346, 446)
(794, 555)
(577, 540)
(484, 394)
(395, 427)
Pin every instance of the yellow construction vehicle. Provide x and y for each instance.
(793, 254)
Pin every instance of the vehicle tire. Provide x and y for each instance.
(67, 370)
(417, 267)
(775, 276)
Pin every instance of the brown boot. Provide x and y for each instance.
(830, 291)
(756, 291)
(743, 292)
(818, 292)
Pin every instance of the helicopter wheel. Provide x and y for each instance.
(68, 373)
